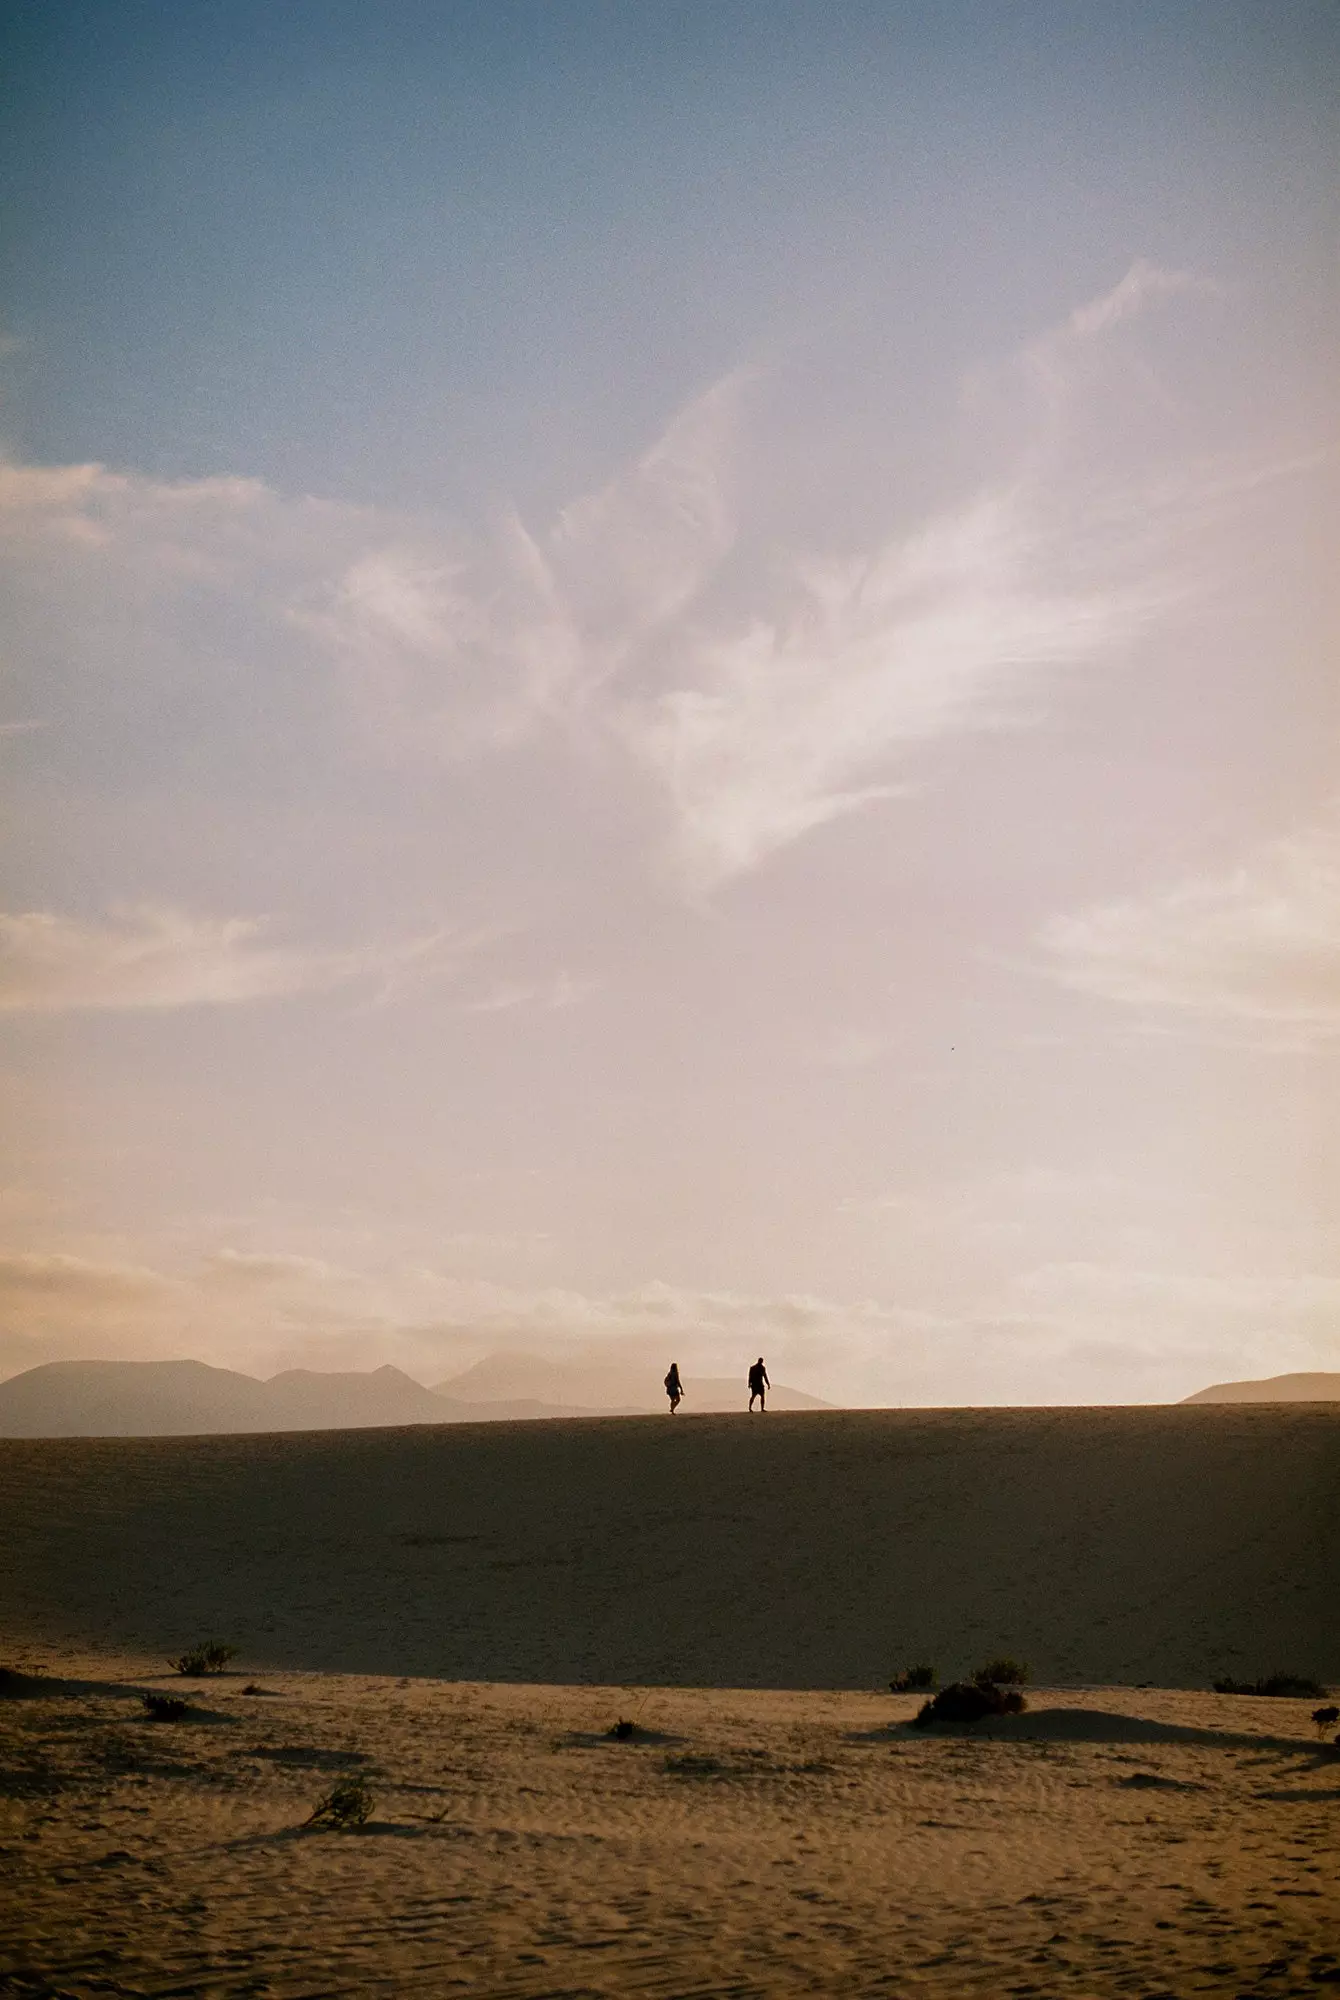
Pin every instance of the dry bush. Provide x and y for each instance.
(208, 1658)
(165, 1707)
(1001, 1673)
(969, 1701)
(913, 1680)
(347, 1804)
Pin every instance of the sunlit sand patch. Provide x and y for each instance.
(741, 1842)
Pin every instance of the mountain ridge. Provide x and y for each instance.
(1317, 1387)
(189, 1398)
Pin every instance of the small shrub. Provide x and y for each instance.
(1276, 1684)
(1001, 1673)
(165, 1707)
(348, 1804)
(912, 1680)
(969, 1701)
(1325, 1718)
(197, 1661)
(621, 1730)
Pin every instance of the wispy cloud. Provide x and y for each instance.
(460, 644)
(757, 695)
(1144, 284)
(1256, 948)
(800, 718)
(790, 717)
(561, 990)
(34, 1275)
(142, 957)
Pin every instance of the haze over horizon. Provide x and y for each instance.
(672, 690)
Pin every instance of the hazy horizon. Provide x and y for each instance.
(672, 689)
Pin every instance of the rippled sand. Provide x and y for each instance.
(459, 1614)
(742, 1843)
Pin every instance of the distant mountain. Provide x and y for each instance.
(187, 1398)
(1275, 1389)
(190, 1399)
(129, 1399)
(610, 1386)
(301, 1399)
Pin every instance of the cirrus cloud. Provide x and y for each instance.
(1256, 947)
(144, 957)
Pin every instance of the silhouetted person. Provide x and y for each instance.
(758, 1384)
(674, 1388)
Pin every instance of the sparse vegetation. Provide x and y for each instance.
(1275, 1684)
(969, 1701)
(165, 1707)
(622, 1730)
(913, 1680)
(347, 1804)
(208, 1658)
(995, 1689)
(1326, 1718)
(1001, 1673)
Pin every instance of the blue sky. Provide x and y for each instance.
(672, 677)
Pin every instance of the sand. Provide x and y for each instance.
(413, 1602)
(744, 1843)
(819, 1550)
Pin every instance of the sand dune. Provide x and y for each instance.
(741, 1844)
(746, 1840)
(826, 1550)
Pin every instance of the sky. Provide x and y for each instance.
(671, 689)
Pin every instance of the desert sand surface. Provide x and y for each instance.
(819, 1550)
(742, 1843)
(461, 1614)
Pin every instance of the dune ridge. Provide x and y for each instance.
(827, 1549)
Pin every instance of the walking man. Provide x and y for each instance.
(758, 1384)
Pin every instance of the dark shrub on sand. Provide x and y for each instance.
(969, 1701)
(209, 1658)
(348, 1805)
(1001, 1673)
(165, 1707)
(912, 1680)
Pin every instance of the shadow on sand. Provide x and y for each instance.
(608, 1739)
(1090, 1725)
